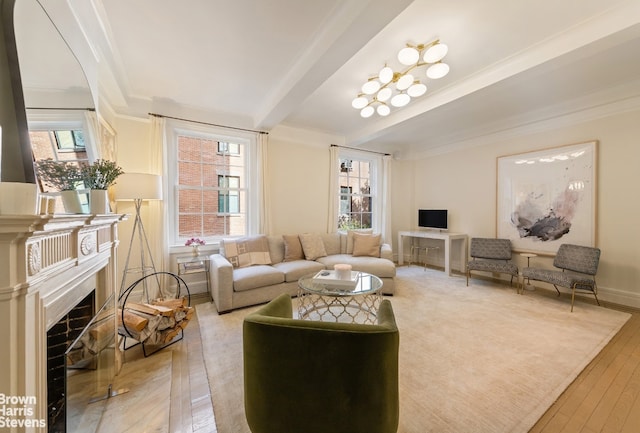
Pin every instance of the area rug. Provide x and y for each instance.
(472, 359)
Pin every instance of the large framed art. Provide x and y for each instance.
(547, 197)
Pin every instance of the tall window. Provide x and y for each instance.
(211, 178)
(356, 179)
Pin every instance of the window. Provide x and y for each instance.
(229, 195)
(61, 137)
(211, 178)
(356, 180)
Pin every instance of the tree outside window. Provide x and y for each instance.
(355, 179)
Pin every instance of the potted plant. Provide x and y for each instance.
(195, 244)
(62, 176)
(98, 177)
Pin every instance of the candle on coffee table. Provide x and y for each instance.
(343, 271)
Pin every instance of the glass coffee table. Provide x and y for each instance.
(335, 303)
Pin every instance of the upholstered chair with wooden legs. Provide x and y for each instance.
(319, 377)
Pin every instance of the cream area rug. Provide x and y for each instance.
(472, 359)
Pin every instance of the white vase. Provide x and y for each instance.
(71, 201)
(99, 201)
(195, 250)
(18, 198)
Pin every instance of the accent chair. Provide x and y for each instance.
(318, 377)
(491, 255)
(577, 266)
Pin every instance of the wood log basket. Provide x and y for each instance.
(158, 323)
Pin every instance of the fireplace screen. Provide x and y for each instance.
(91, 367)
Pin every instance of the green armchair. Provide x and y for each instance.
(319, 377)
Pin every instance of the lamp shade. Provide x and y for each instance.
(133, 186)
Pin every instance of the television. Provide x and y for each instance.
(432, 218)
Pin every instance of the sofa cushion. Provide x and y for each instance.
(292, 248)
(247, 251)
(276, 248)
(349, 245)
(312, 246)
(295, 269)
(332, 243)
(366, 245)
(382, 268)
(256, 276)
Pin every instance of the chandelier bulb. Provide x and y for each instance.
(408, 56)
(371, 87)
(435, 53)
(367, 111)
(400, 100)
(404, 82)
(416, 89)
(383, 110)
(437, 70)
(359, 102)
(385, 75)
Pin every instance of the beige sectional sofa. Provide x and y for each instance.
(253, 270)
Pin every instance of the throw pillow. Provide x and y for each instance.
(312, 246)
(292, 248)
(242, 252)
(366, 245)
(350, 234)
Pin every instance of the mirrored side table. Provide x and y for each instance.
(195, 265)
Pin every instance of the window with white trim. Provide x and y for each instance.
(210, 174)
(357, 180)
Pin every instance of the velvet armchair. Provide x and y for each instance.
(318, 377)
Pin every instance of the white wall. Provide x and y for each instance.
(465, 183)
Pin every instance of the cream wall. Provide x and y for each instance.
(465, 183)
(462, 181)
(299, 187)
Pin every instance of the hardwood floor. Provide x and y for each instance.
(605, 397)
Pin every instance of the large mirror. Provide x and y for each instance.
(51, 76)
(56, 93)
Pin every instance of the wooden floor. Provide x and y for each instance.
(605, 397)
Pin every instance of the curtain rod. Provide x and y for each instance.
(208, 124)
(61, 108)
(361, 150)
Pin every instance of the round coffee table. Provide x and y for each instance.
(336, 303)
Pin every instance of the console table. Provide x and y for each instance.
(448, 238)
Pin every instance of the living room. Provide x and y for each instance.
(443, 149)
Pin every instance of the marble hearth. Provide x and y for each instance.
(49, 264)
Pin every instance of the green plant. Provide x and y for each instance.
(101, 174)
(59, 175)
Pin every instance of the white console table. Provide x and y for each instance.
(448, 238)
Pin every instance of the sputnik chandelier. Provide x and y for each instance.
(397, 88)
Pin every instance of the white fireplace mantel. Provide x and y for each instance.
(49, 263)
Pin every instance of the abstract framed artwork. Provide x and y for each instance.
(547, 197)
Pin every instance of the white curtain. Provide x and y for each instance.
(157, 224)
(263, 181)
(332, 216)
(386, 199)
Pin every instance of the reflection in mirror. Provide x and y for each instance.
(51, 75)
(56, 92)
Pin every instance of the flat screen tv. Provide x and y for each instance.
(432, 218)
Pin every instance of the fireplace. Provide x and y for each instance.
(60, 338)
(52, 264)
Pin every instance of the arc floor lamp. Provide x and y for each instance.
(138, 187)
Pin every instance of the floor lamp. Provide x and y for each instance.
(139, 187)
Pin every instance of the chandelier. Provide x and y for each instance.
(397, 88)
